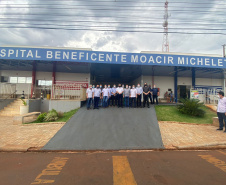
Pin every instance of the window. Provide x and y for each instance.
(48, 83)
(29, 80)
(44, 82)
(12, 79)
(21, 80)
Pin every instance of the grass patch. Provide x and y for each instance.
(170, 113)
(65, 118)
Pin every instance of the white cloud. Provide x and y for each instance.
(110, 40)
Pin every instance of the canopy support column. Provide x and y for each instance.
(175, 84)
(33, 77)
(193, 78)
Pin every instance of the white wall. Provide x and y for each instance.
(73, 77)
(209, 82)
(184, 81)
(43, 75)
(162, 82)
(165, 83)
(21, 86)
(16, 73)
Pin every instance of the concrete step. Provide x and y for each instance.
(9, 112)
(12, 108)
(10, 115)
(16, 103)
(16, 106)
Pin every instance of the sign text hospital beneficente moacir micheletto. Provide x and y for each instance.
(45, 54)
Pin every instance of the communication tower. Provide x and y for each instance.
(165, 43)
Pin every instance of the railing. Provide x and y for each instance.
(68, 91)
(8, 90)
(13, 95)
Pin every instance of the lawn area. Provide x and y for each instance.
(170, 113)
(65, 118)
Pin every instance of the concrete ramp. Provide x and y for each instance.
(109, 129)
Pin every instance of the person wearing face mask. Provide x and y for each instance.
(126, 94)
(109, 98)
(105, 95)
(96, 96)
(93, 98)
(139, 93)
(145, 94)
(101, 100)
(113, 95)
(155, 93)
(150, 94)
(221, 111)
(119, 91)
(133, 96)
(89, 96)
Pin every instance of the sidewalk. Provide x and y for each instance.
(174, 135)
(187, 135)
(22, 137)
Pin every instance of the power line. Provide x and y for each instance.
(24, 6)
(24, 21)
(127, 27)
(115, 30)
(126, 10)
(124, 16)
(130, 1)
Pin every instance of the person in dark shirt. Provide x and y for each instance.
(155, 93)
(145, 94)
(150, 94)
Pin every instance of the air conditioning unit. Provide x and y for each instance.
(4, 79)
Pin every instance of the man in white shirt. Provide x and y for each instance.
(96, 96)
(133, 96)
(139, 93)
(113, 95)
(89, 96)
(119, 91)
(105, 96)
(109, 99)
(101, 100)
(93, 98)
(221, 111)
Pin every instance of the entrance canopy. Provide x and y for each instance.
(86, 56)
(114, 74)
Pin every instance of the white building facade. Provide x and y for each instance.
(38, 72)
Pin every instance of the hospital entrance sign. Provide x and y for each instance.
(70, 55)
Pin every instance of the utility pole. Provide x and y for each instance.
(165, 43)
(224, 54)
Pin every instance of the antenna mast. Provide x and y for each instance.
(165, 43)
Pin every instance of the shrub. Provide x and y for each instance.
(191, 107)
(51, 115)
(41, 117)
(60, 114)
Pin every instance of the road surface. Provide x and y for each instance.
(114, 168)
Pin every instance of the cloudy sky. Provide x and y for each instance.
(195, 26)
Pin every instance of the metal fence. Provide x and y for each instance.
(68, 91)
(7, 90)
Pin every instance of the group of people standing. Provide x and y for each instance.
(121, 96)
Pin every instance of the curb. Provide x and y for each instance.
(174, 148)
(13, 149)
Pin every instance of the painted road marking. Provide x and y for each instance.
(122, 173)
(222, 152)
(216, 162)
(53, 168)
